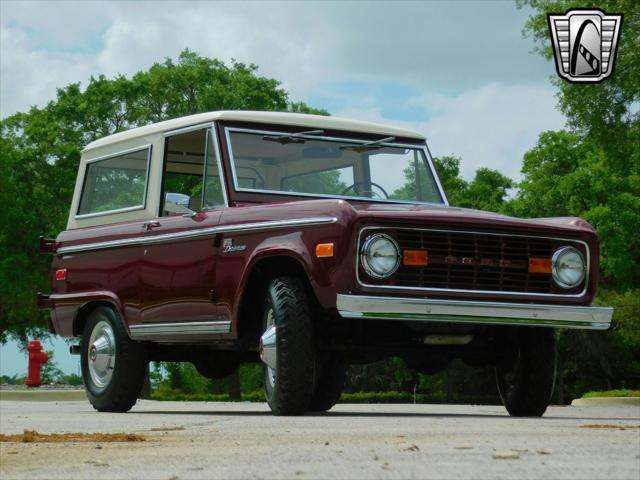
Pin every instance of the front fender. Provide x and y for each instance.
(295, 246)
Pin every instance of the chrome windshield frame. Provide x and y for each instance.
(423, 148)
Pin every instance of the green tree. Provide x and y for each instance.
(50, 372)
(592, 170)
(40, 151)
(606, 112)
(448, 169)
(568, 175)
(487, 190)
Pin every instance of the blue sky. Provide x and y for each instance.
(459, 72)
(13, 359)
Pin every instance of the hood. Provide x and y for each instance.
(432, 215)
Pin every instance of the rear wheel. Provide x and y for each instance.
(526, 375)
(287, 347)
(113, 366)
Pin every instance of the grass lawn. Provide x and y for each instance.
(613, 393)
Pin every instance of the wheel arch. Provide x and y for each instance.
(85, 310)
(260, 273)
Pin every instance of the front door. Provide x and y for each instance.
(179, 254)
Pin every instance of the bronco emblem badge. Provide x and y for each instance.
(229, 247)
(585, 44)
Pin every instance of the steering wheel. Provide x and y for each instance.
(361, 193)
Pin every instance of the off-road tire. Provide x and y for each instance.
(293, 386)
(526, 377)
(331, 375)
(129, 369)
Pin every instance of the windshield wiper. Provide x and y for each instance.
(366, 147)
(291, 138)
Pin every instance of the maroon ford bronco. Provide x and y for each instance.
(307, 243)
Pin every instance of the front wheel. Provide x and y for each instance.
(287, 347)
(331, 375)
(527, 373)
(113, 366)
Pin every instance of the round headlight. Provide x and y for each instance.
(568, 267)
(380, 255)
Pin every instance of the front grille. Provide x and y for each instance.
(476, 261)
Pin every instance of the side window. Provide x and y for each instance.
(191, 175)
(115, 183)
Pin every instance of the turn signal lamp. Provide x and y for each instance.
(539, 265)
(324, 250)
(415, 258)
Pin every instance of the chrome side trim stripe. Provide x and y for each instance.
(457, 311)
(179, 328)
(202, 232)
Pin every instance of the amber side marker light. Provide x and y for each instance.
(539, 265)
(324, 250)
(415, 258)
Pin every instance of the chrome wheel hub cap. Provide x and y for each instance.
(102, 354)
(269, 349)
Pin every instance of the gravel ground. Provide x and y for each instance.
(242, 440)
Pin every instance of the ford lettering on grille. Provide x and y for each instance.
(476, 261)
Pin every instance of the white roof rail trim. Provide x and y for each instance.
(278, 118)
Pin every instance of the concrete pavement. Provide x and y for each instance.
(242, 440)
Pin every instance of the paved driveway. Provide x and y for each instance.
(242, 440)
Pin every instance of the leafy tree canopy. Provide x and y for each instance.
(592, 170)
(487, 190)
(568, 176)
(606, 111)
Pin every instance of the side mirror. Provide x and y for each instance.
(177, 203)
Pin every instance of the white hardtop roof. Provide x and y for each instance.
(278, 118)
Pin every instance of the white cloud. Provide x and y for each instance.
(289, 54)
(486, 97)
(490, 126)
(430, 46)
(30, 77)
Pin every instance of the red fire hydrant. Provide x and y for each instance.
(36, 359)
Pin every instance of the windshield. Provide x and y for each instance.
(304, 165)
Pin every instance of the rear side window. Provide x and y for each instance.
(116, 183)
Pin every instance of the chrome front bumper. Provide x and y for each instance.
(457, 311)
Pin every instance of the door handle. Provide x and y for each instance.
(146, 226)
